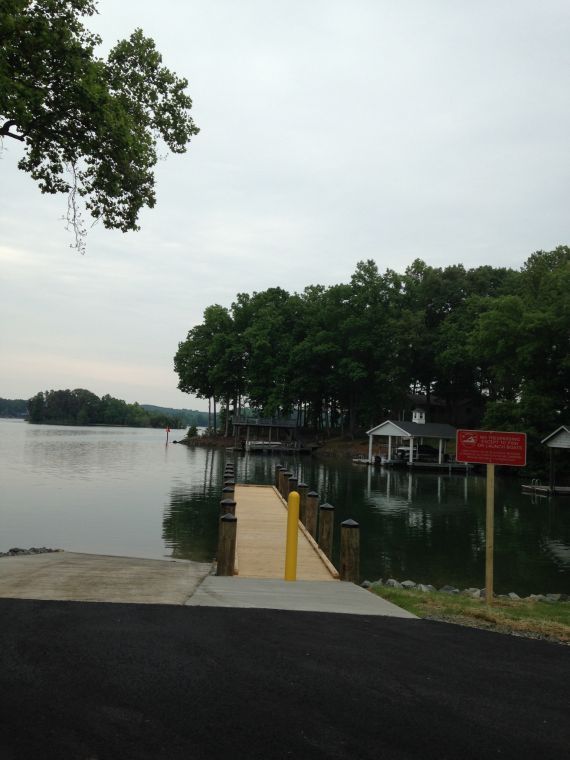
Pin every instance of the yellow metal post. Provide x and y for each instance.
(292, 536)
(489, 533)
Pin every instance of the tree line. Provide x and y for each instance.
(17, 407)
(345, 357)
(189, 417)
(82, 407)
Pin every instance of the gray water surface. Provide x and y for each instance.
(122, 491)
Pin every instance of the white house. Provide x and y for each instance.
(414, 432)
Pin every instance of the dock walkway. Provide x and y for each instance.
(261, 534)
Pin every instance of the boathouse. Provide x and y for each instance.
(414, 433)
(559, 439)
(264, 430)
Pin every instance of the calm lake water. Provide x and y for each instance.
(122, 491)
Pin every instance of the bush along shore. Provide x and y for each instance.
(540, 616)
(33, 550)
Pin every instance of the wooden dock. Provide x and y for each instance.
(260, 548)
(546, 490)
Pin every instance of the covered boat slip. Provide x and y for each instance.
(559, 439)
(413, 434)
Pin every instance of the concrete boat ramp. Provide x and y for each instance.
(70, 576)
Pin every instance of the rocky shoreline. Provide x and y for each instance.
(474, 593)
(16, 552)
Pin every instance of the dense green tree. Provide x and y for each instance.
(13, 407)
(493, 341)
(89, 126)
(81, 407)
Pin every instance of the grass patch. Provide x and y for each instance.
(534, 619)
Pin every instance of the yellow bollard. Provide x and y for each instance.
(292, 536)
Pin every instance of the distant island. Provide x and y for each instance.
(82, 407)
(14, 408)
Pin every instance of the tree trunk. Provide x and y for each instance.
(227, 417)
(209, 413)
(215, 418)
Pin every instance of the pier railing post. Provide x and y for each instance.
(326, 524)
(227, 545)
(228, 492)
(227, 506)
(292, 536)
(350, 551)
(278, 469)
(284, 476)
(292, 485)
(302, 489)
(311, 509)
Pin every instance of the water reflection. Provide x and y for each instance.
(121, 491)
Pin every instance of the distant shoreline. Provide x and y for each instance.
(93, 424)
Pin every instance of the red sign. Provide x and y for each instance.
(491, 447)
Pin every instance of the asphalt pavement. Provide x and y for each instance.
(93, 681)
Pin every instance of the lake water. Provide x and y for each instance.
(123, 491)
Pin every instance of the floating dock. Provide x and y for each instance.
(458, 467)
(260, 546)
(546, 490)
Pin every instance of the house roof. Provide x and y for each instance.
(415, 429)
(264, 422)
(563, 432)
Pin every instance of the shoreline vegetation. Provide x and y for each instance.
(81, 407)
(532, 618)
(343, 448)
(477, 348)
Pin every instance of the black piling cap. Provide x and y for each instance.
(229, 482)
(302, 485)
(228, 517)
(349, 524)
(228, 489)
(313, 494)
(227, 503)
(326, 505)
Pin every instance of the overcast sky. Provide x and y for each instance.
(330, 132)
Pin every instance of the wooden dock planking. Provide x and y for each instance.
(261, 534)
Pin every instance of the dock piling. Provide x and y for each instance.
(302, 489)
(311, 510)
(227, 506)
(326, 525)
(284, 476)
(292, 484)
(278, 469)
(350, 551)
(227, 544)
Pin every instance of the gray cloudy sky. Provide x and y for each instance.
(331, 132)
